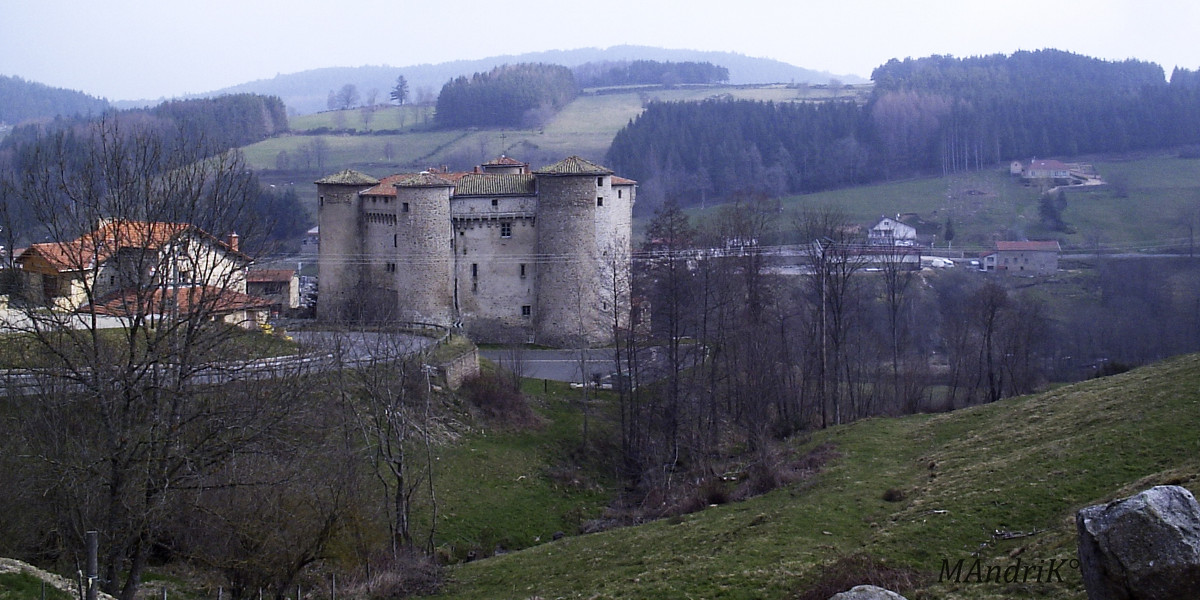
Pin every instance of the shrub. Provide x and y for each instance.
(499, 400)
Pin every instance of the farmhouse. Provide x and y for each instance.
(127, 267)
(1024, 258)
(512, 255)
(892, 232)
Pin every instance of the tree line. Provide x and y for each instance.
(22, 101)
(648, 72)
(196, 129)
(507, 96)
(931, 115)
(751, 357)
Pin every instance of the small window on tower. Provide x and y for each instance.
(404, 208)
(526, 310)
(506, 230)
(600, 201)
(599, 182)
(495, 203)
(522, 270)
(619, 193)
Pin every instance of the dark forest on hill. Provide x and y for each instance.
(196, 129)
(933, 115)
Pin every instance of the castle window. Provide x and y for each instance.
(619, 193)
(391, 267)
(600, 201)
(599, 182)
(321, 200)
(474, 270)
(506, 230)
(404, 208)
(526, 310)
(395, 242)
(522, 270)
(495, 203)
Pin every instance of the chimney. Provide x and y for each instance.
(233, 241)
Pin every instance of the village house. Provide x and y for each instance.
(135, 267)
(892, 232)
(281, 287)
(1024, 258)
(510, 254)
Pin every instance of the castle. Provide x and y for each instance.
(509, 254)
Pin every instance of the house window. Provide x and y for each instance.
(600, 201)
(526, 310)
(522, 270)
(599, 182)
(506, 230)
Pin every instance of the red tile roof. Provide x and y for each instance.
(186, 300)
(269, 275)
(108, 239)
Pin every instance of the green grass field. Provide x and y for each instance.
(998, 482)
(1161, 194)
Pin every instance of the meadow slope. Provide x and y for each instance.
(1000, 482)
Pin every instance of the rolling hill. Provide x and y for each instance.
(308, 91)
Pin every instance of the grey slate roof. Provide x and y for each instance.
(573, 165)
(490, 184)
(424, 180)
(348, 177)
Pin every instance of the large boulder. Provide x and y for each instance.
(867, 592)
(1144, 547)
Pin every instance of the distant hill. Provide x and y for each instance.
(22, 100)
(307, 92)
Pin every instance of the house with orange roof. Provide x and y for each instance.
(127, 267)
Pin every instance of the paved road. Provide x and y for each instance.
(555, 365)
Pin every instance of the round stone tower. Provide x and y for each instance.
(424, 255)
(567, 312)
(340, 248)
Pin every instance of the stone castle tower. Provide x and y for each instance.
(511, 255)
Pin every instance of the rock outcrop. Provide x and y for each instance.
(1146, 546)
(867, 592)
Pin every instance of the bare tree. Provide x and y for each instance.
(131, 416)
(347, 96)
(834, 255)
(386, 390)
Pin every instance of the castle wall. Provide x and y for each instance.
(340, 250)
(423, 271)
(518, 266)
(567, 311)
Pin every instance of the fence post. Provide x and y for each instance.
(93, 563)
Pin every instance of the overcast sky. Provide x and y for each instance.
(147, 49)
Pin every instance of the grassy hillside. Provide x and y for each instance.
(1002, 480)
(1147, 209)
